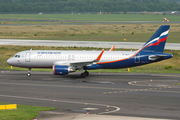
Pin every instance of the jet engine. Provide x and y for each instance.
(62, 70)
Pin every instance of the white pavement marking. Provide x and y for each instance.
(65, 43)
(90, 108)
(73, 102)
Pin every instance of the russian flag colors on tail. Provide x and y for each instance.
(157, 42)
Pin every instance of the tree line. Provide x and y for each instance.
(88, 5)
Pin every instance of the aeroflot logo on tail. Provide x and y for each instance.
(161, 38)
(49, 53)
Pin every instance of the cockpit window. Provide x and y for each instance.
(17, 56)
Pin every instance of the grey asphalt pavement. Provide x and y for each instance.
(63, 43)
(126, 94)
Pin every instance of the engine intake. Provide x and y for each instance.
(62, 70)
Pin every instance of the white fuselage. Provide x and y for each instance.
(46, 58)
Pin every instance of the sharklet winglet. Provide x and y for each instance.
(112, 48)
(99, 57)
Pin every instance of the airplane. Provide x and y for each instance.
(64, 62)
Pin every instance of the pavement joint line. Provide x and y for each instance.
(63, 101)
(165, 75)
(83, 87)
(135, 82)
(150, 89)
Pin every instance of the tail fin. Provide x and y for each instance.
(157, 42)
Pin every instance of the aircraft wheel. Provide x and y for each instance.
(28, 74)
(87, 73)
(83, 75)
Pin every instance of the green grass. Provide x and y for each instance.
(23, 112)
(176, 83)
(26, 22)
(167, 66)
(173, 37)
(112, 33)
(119, 32)
(92, 17)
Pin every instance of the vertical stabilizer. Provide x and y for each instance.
(157, 42)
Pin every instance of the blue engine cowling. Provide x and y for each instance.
(62, 70)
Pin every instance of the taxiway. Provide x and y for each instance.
(126, 94)
(65, 43)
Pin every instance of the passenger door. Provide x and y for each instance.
(27, 57)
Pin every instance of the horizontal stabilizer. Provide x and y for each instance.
(155, 57)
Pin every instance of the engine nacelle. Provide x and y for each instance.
(62, 70)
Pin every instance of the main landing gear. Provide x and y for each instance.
(84, 74)
(87, 73)
(29, 72)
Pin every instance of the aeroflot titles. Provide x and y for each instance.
(49, 53)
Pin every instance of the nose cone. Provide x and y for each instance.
(9, 61)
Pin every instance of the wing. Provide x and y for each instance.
(78, 64)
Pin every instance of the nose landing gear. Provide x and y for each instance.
(29, 72)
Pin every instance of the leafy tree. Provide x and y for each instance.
(88, 5)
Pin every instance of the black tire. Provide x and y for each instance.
(87, 73)
(28, 74)
(83, 75)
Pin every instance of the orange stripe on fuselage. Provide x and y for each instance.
(118, 60)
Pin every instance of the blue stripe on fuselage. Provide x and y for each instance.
(131, 62)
